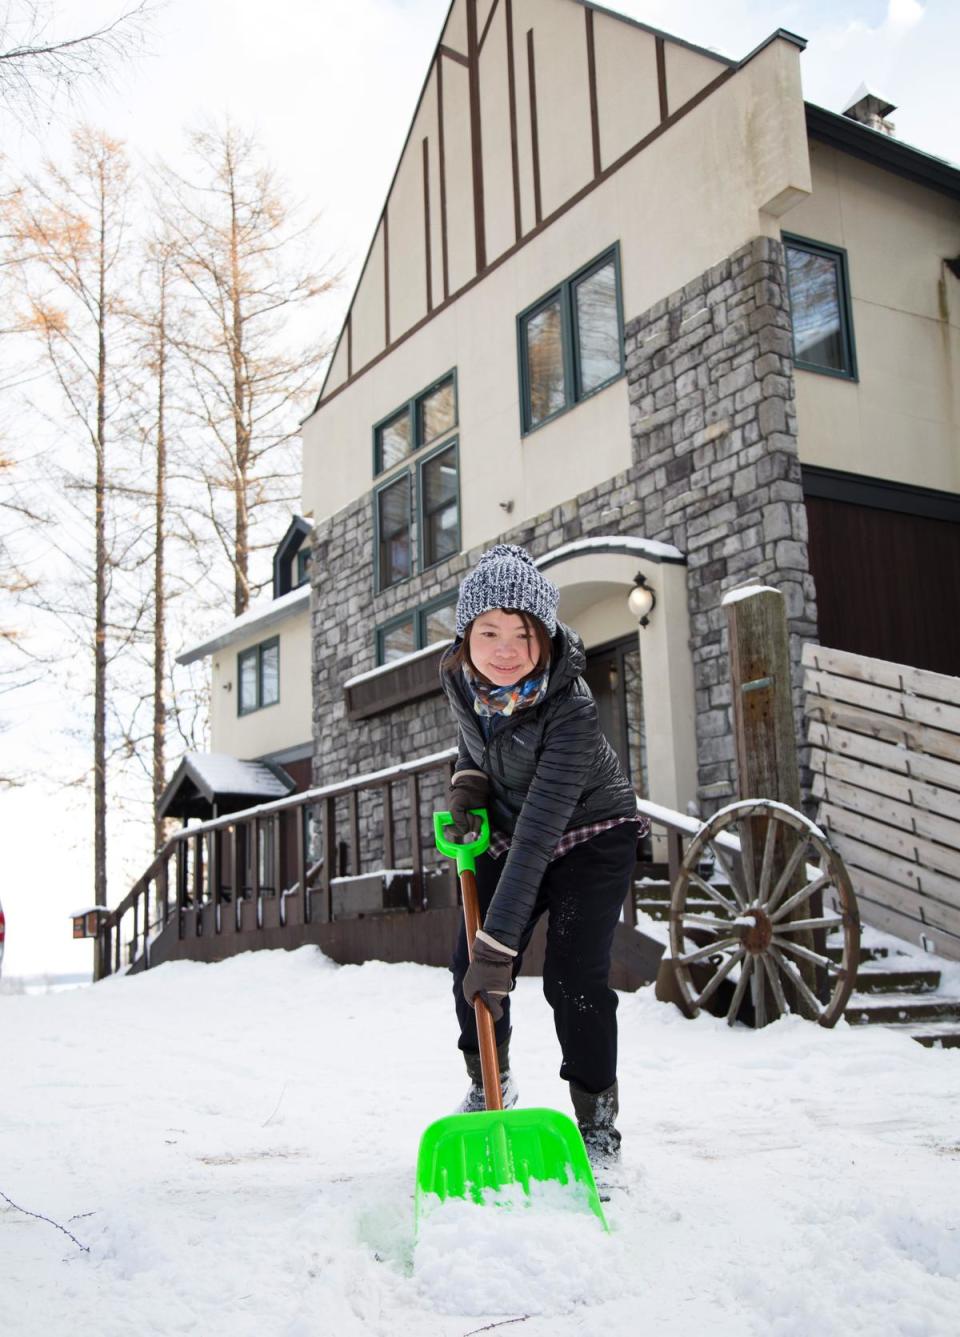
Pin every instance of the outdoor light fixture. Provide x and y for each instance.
(642, 600)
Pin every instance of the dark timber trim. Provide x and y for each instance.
(444, 254)
(458, 56)
(486, 26)
(569, 204)
(386, 278)
(534, 137)
(512, 95)
(662, 78)
(426, 221)
(730, 68)
(592, 77)
(883, 494)
(476, 138)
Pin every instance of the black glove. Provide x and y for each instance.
(468, 789)
(489, 976)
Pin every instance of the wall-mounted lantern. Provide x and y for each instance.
(642, 600)
(86, 923)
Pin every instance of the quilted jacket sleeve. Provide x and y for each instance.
(568, 748)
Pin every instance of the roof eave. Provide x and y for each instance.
(882, 150)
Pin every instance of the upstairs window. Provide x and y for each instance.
(820, 307)
(425, 418)
(439, 494)
(302, 567)
(392, 516)
(571, 341)
(258, 676)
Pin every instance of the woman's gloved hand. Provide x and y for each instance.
(490, 974)
(468, 789)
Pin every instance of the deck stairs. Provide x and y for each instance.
(898, 985)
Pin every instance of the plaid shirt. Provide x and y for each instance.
(500, 842)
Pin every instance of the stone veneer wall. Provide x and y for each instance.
(715, 472)
(710, 376)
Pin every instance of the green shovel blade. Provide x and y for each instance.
(476, 1156)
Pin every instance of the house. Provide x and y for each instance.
(259, 697)
(641, 308)
(644, 310)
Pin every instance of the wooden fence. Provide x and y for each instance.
(885, 744)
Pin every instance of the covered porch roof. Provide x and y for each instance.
(210, 784)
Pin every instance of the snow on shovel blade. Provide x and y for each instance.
(478, 1156)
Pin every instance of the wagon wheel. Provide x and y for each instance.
(763, 930)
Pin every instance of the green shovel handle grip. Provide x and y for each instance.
(464, 854)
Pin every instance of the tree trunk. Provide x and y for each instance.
(160, 608)
(100, 557)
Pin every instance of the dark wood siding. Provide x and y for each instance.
(888, 583)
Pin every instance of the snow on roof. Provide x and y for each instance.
(652, 548)
(254, 619)
(219, 773)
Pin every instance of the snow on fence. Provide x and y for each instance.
(885, 744)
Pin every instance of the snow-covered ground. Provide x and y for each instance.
(233, 1147)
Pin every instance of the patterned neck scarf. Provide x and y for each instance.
(490, 700)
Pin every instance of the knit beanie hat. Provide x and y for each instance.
(505, 577)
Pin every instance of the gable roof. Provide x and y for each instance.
(474, 19)
(205, 779)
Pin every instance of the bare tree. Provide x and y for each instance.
(245, 258)
(68, 229)
(37, 63)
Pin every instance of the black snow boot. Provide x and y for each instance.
(473, 1101)
(596, 1114)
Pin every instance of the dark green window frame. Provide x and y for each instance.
(302, 562)
(418, 617)
(403, 475)
(426, 561)
(413, 410)
(572, 370)
(256, 653)
(836, 254)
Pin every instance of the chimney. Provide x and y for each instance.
(868, 108)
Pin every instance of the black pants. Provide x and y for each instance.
(583, 892)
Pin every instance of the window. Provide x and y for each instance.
(396, 640)
(392, 519)
(258, 676)
(417, 629)
(423, 419)
(571, 341)
(303, 567)
(820, 307)
(439, 506)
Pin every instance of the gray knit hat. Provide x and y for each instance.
(505, 577)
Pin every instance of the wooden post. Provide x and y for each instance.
(764, 733)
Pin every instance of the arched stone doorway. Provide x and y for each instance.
(642, 677)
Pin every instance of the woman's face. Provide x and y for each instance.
(501, 648)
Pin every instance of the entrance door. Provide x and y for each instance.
(613, 675)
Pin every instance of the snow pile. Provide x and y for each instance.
(233, 1149)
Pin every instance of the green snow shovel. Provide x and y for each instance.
(483, 1155)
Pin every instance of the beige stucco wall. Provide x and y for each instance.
(288, 723)
(671, 225)
(900, 420)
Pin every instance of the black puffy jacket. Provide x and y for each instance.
(551, 770)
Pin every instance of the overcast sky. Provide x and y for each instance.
(329, 87)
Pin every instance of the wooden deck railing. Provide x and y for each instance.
(278, 864)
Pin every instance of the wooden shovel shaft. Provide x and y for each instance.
(489, 1065)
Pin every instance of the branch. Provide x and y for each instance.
(38, 1216)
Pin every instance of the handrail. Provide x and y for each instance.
(197, 879)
